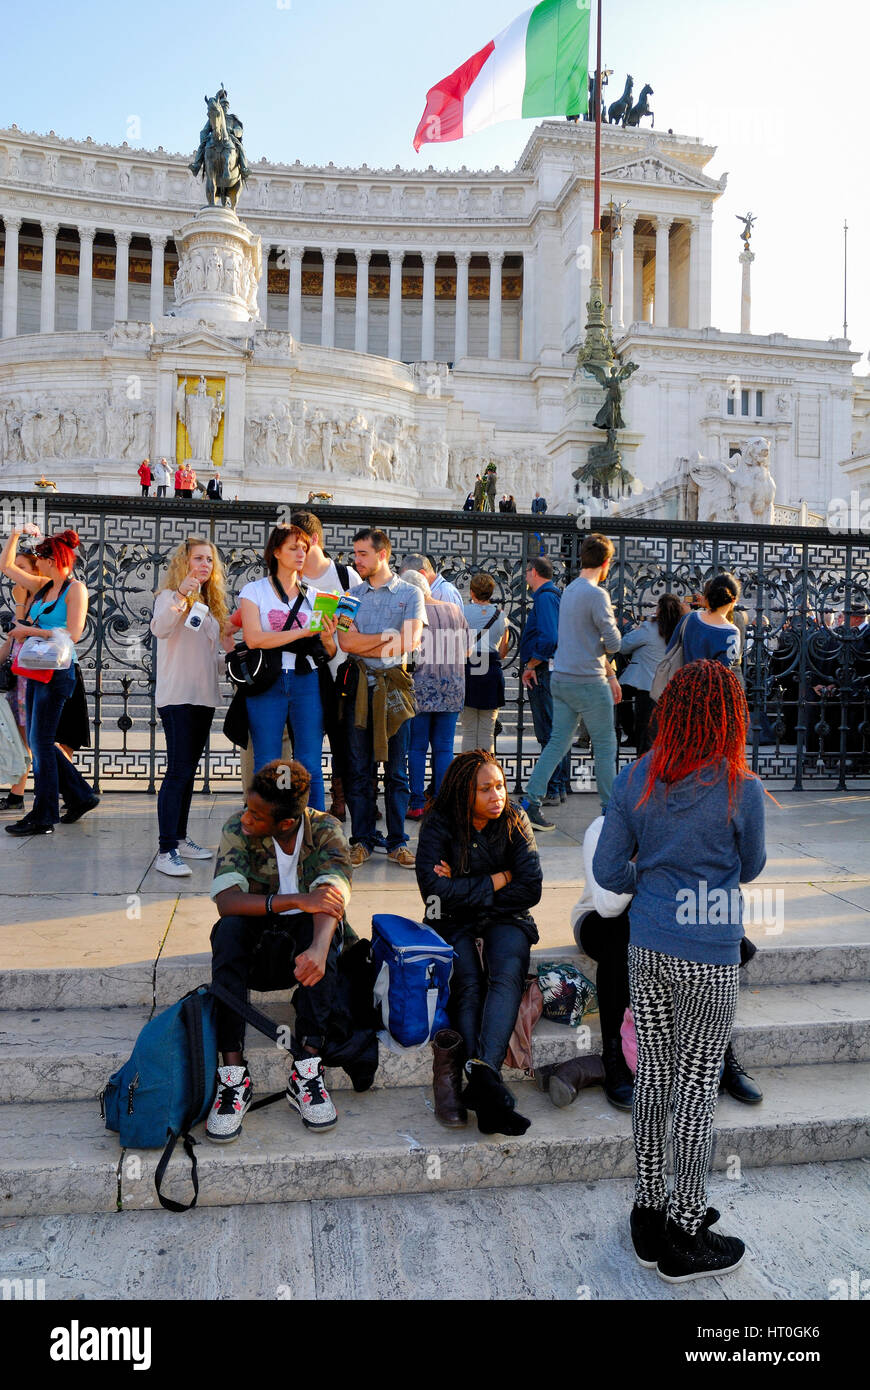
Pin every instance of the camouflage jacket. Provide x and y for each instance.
(248, 862)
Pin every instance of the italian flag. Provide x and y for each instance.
(538, 66)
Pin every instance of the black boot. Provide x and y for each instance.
(492, 1102)
(738, 1083)
(618, 1080)
(574, 1075)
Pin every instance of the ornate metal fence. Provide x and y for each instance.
(806, 680)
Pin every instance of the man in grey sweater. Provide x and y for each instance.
(583, 681)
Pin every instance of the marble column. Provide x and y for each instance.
(616, 249)
(628, 313)
(746, 258)
(663, 276)
(294, 292)
(158, 247)
(10, 277)
(529, 347)
(122, 274)
(394, 343)
(49, 267)
(327, 309)
(694, 273)
(495, 264)
(86, 278)
(705, 270)
(361, 326)
(461, 348)
(263, 287)
(427, 350)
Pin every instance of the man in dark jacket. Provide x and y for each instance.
(537, 647)
(539, 504)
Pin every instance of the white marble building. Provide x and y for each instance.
(406, 327)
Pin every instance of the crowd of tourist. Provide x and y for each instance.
(385, 660)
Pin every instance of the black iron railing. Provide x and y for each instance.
(806, 681)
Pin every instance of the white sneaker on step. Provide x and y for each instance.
(171, 863)
(234, 1095)
(307, 1094)
(189, 849)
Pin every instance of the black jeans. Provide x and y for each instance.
(161, 490)
(483, 1008)
(52, 772)
(643, 708)
(605, 939)
(186, 728)
(233, 944)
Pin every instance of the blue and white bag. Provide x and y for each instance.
(413, 967)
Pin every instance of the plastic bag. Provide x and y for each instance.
(53, 652)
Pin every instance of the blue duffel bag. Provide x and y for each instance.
(413, 966)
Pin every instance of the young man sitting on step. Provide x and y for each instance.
(282, 884)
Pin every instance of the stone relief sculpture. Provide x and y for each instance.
(96, 429)
(741, 490)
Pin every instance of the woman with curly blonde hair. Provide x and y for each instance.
(189, 622)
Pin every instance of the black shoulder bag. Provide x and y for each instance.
(256, 669)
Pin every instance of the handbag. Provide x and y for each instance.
(42, 675)
(256, 669)
(670, 663)
(7, 675)
(484, 689)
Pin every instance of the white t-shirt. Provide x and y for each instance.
(288, 871)
(273, 614)
(330, 583)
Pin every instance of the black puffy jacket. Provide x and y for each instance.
(453, 904)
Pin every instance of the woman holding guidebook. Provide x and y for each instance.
(277, 612)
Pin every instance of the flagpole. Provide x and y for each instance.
(597, 346)
(845, 271)
(596, 220)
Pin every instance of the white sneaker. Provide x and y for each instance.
(307, 1094)
(189, 849)
(171, 863)
(234, 1095)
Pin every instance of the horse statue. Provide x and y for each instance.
(619, 110)
(642, 109)
(221, 155)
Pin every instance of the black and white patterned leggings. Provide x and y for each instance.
(683, 1012)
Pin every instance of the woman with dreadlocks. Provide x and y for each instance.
(479, 873)
(683, 829)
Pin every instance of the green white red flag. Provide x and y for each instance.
(537, 66)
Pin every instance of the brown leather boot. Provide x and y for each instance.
(573, 1076)
(447, 1079)
(338, 807)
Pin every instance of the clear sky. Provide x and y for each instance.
(780, 88)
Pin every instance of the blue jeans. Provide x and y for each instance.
(573, 696)
(439, 729)
(52, 772)
(483, 1008)
(293, 701)
(360, 775)
(186, 728)
(541, 705)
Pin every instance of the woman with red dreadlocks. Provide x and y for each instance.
(479, 873)
(60, 602)
(683, 829)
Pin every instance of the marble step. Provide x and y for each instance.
(58, 1158)
(69, 1054)
(139, 983)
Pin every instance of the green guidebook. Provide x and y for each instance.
(324, 603)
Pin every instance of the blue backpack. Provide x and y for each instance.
(412, 967)
(169, 1082)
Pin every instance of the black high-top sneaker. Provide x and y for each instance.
(686, 1257)
(648, 1232)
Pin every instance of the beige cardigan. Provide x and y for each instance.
(188, 662)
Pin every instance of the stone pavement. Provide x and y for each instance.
(88, 896)
(92, 938)
(804, 1227)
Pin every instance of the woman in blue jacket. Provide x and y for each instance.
(683, 829)
(479, 873)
